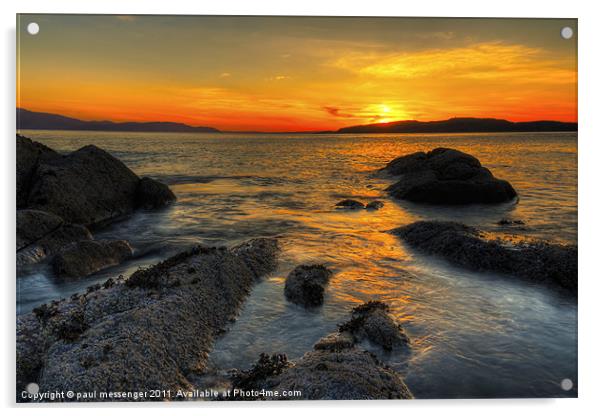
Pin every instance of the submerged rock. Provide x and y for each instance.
(535, 261)
(374, 205)
(305, 284)
(141, 337)
(86, 257)
(506, 221)
(349, 204)
(371, 321)
(335, 370)
(152, 194)
(446, 176)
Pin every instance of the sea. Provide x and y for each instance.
(474, 334)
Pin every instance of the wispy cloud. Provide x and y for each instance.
(225, 75)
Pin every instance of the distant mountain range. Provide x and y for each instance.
(31, 120)
(460, 125)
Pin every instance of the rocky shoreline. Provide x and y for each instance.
(154, 330)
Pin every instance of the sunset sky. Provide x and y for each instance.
(295, 73)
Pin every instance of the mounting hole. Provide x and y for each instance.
(566, 384)
(33, 28)
(566, 32)
(32, 388)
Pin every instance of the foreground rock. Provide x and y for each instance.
(41, 234)
(371, 321)
(150, 332)
(305, 284)
(446, 176)
(535, 261)
(335, 370)
(86, 257)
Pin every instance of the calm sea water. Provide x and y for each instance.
(474, 334)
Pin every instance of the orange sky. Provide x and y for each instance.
(293, 74)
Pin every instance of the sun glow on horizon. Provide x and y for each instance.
(296, 74)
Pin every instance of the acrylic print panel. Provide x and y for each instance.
(335, 208)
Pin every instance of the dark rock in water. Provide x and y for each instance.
(29, 155)
(506, 221)
(305, 285)
(86, 257)
(350, 204)
(446, 176)
(153, 194)
(374, 205)
(88, 186)
(371, 321)
(122, 337)
(335, 370)
(41, 234)
(536, 261)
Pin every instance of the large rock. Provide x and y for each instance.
(305, 284)
(29, 154)
(86, 257)
(150, 333)
(41, 235)
(88, 186)
(446, 176)
(153, 194)
(371, 321)
(536, 261)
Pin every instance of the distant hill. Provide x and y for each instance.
(31, 120)
(460, 125)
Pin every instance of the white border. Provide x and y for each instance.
(590, 136)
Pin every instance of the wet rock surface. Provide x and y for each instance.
(335, 370)
(86, 257)
(371, 321)
(535, 261)
(305, 285)
(149, 332)
(41, 235)
(448, 177)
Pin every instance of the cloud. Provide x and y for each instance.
(480, 61)
(336, 112)
(225, 75)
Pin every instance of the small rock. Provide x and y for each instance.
(371, 321)
(337, 341)
(86, 257)
(305, 285)
(374, 205)
(350, 204)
